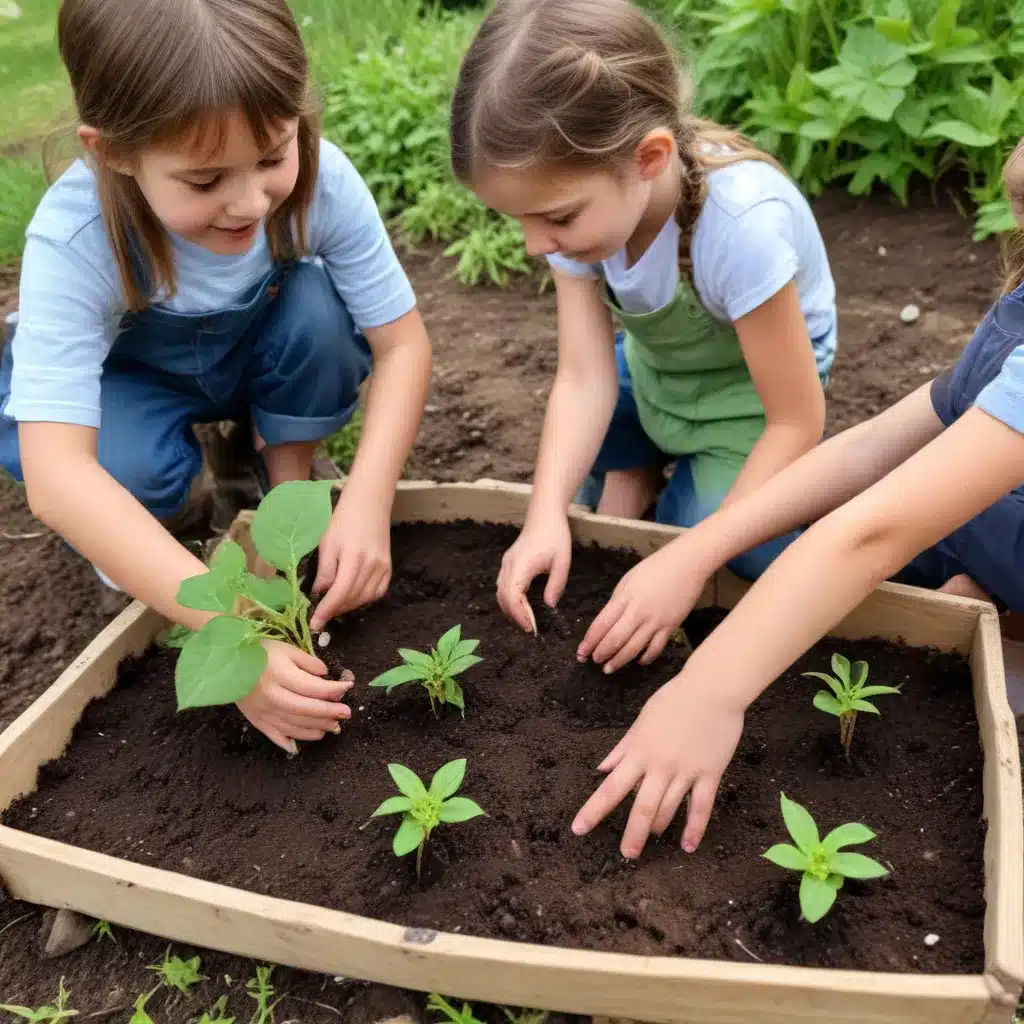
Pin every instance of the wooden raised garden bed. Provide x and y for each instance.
(230, 845)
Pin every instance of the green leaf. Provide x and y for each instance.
(464, 647)
(847, 835)
(393, 805)
(800, 825)
(448, 778)
(875, 691)
(208, 592)
(826, 702)
(459, 808)
(177, 636)
(461, 664)
(856, 865)
(219, 665)
(229, 559)
(834, 684)
(786, 856)
(841, 667)
(836, 881)
(859, 674)
(22, 1011)
(275, 594)
(816, 898)
(961, 132)
(397, 676)
(864, 705)
(290, 521)
(453, 694)
(408, 837)
(417, 658)
(448, 642)
(407, 781)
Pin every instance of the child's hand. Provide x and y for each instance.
(647, 606)
(681, 743)
(355, 559)
(544, 546)
(292, 702)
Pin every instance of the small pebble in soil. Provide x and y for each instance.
(324, 639)
(931, 939)
(339, 979)
(910, 313)
(882, 250)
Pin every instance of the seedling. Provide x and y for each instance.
(823, 866)
(215, 1014)
(52, 1014)
(177, 973)
(262, 992)
(525, 1016)
(424, 809)
(436, 670)
(140, 1016)
(440, 1006)
(848, 695)
(101, 930)
(223, 661)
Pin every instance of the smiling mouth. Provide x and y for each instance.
(242, 232)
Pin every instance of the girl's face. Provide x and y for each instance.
(584, 215)
(217, 198)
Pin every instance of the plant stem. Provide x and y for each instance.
(847, 721)
(307, 640)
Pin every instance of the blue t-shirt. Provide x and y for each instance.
(990, 372)
(755, 233)
(71, 301)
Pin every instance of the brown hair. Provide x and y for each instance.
(145, 72)
(581, 83)
(1013, 244)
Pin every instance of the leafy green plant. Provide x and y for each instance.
(176, 973)
(141, 1016)
(101, 930)
(50, 1014)
(424, 809)
(440, 1006)
(822, 862)
(223, 661)
(216, 1013)
(436, 670)
(261, 992)
(849, 695)
(525, 1016)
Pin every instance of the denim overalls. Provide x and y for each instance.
(288, 355)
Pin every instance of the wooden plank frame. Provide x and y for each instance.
(658, 990)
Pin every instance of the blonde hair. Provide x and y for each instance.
(582, 83)
(148, 72)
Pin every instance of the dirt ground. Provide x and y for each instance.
(494, 359)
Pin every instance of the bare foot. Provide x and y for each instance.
(628, 493)
(964, 586)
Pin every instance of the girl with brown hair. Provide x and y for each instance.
(208, 258)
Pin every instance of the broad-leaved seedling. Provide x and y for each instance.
(436, 670)
(848, 695)
(50, 1014)
(223, 661)
(177, 973)
(424, 809)
(822, 862)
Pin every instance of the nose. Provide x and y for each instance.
(538, 241)
(251, 202)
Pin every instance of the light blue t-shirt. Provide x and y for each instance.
(1004, 396)
(754, 235)
(71, 301)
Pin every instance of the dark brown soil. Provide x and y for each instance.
(144, 783)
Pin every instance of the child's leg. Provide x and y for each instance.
(626, 477)
(308, 363)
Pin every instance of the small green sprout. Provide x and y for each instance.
(215, 1014)
(436, 670)
(440, 1006)
(101, 930)
(823, 866)
(525, 1016)
(51, 1014)
(140, 1016)
(261, 992)
(223, 661)
(424, 809)
(848, 695)
(177, 973)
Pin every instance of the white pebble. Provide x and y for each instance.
(323, 639)
(882, 250)
(339, 979)
(931, 939)
(911, 313)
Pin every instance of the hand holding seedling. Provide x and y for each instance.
(355, 557)
(681, 742)
(544, 545)
(645, 609)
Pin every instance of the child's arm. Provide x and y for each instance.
(355, 560)
(70, 492)
(579, 410)
(655, 596)
(779, 355)
(684, 738)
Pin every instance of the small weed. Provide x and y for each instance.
(101, 930)
(525, 1016)
(341, 446)
(57, 1011)
(262, 992)
(848, 695)
(823, 866)
(176, 973)
(436, 670)
(215, 1014)
(425, 809)
(140, 1016)
(445, 1011)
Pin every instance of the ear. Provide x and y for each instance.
(94, 145)
(654, 154)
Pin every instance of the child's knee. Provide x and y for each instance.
(159, 477)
